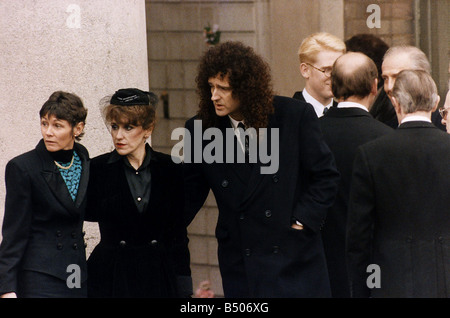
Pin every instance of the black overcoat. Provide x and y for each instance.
(260, 255)
(139, 254)
(344, 130)
(399, 218)
(42, 225)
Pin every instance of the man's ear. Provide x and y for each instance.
(374, 90)
(395, 103)
(398, 109)
(304, 70)
(437, 103)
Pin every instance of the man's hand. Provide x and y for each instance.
(297, 226)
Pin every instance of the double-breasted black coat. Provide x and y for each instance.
(260, 255)
(42, 225)
(399, 218)
(139, 254)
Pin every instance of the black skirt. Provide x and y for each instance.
(130, 272)
(33, 284)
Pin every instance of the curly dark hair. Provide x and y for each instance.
(249, 78)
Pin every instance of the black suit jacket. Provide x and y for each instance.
(42, 225)
(140, 254)
(399, 216)
(383, 111)
(344, 130)
(260, 255)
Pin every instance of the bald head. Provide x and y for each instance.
(354, 74)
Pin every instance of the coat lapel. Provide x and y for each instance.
(54, 179)
(257, 178)
(82, 187)
(115, 169)
(239, 170)
(156, 194)
(56, 183)
(250, 177)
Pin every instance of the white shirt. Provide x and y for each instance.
(415, 118)
(318, 107)
(352, 104)
(235, 124)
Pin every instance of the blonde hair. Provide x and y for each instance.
(317, 42)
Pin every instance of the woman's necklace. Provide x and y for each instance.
(62, 167)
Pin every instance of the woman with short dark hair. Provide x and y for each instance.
(42, 252)
(136, 196)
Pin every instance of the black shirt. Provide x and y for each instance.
(139, 181)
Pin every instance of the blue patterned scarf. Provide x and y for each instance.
(72, 175)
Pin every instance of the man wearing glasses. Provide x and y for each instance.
(444, 112)
(405, 57)
(446, 108)
(317, 54)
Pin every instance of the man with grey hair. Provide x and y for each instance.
(397, 59)
(398, 226)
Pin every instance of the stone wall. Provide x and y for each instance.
(90, 48)
(396, 20)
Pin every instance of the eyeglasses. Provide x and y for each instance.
(444, 112)
(326, 71)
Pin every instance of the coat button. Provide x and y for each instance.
(275, 249)
(275, 178)
(75, 246)
(154, 242)
(59, 246)
(58, 233)
(224, 183)
(248, 252)
(122, 243)
(268, 213)
(242, 216)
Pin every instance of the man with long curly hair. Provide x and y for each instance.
(268, 230)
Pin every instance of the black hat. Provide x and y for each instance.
(131, 97)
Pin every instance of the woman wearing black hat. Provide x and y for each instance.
(42, 252)
(136, 196)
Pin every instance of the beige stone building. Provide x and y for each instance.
(94, 47)
(275, 29)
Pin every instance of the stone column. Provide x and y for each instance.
(90, 48)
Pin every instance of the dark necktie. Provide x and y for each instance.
(246, 147)
(325, 110)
